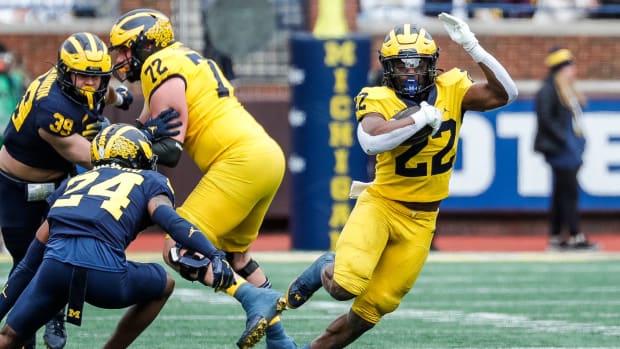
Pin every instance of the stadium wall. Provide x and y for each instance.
(521, 45)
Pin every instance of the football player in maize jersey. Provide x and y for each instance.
(81, 245)
(391, 226)
(44, 141)
(242, 165)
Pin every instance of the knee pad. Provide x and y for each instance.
(245, 271)
(248, 269)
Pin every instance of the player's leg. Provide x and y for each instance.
(341, 332)
(21, 276)
(44, 296)
(243, 190)
(308, 282)
(409, 245)
(348, 275)
(358, 250)
(144, 288)
(261, 305)
(403, 246)
(20, 220)
(249, 269)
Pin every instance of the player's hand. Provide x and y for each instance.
(428, 115)
(92, 129)
(434, 115)
(223, 274)
(123, 98)
(161, 126)
(459, 31)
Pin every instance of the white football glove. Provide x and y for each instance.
(459, 31)
(428, 115)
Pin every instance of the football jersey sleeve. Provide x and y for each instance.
(155, 184)
(57, 120)
(380, 100)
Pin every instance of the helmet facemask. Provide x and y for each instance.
(409, 75)
(408, 57)
(130, 69)
(143, 32)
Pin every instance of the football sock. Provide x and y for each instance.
(232, 290)
(275, 329)
(274, 321)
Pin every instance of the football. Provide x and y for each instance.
(419, 136)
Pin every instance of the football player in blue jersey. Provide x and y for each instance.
(45, 140)
(81, 245)
(78, 254)
(390, 229)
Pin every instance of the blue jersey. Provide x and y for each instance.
(44, 106)
(94, 216)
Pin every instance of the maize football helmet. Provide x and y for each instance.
(408, 56)
(123, 145)
(143, 32)
(84, 54)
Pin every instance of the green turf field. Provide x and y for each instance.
(459, 301)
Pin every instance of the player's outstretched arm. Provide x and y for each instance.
(499, 88)
(181, 230)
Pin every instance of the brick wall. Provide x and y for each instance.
(38, 49)
(522, 53)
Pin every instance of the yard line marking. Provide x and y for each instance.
(506, 321)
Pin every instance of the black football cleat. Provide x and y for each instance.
(55, 336)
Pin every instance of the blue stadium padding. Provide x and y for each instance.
(325, 76)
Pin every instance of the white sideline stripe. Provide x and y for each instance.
(450, 257)
(500, 320)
